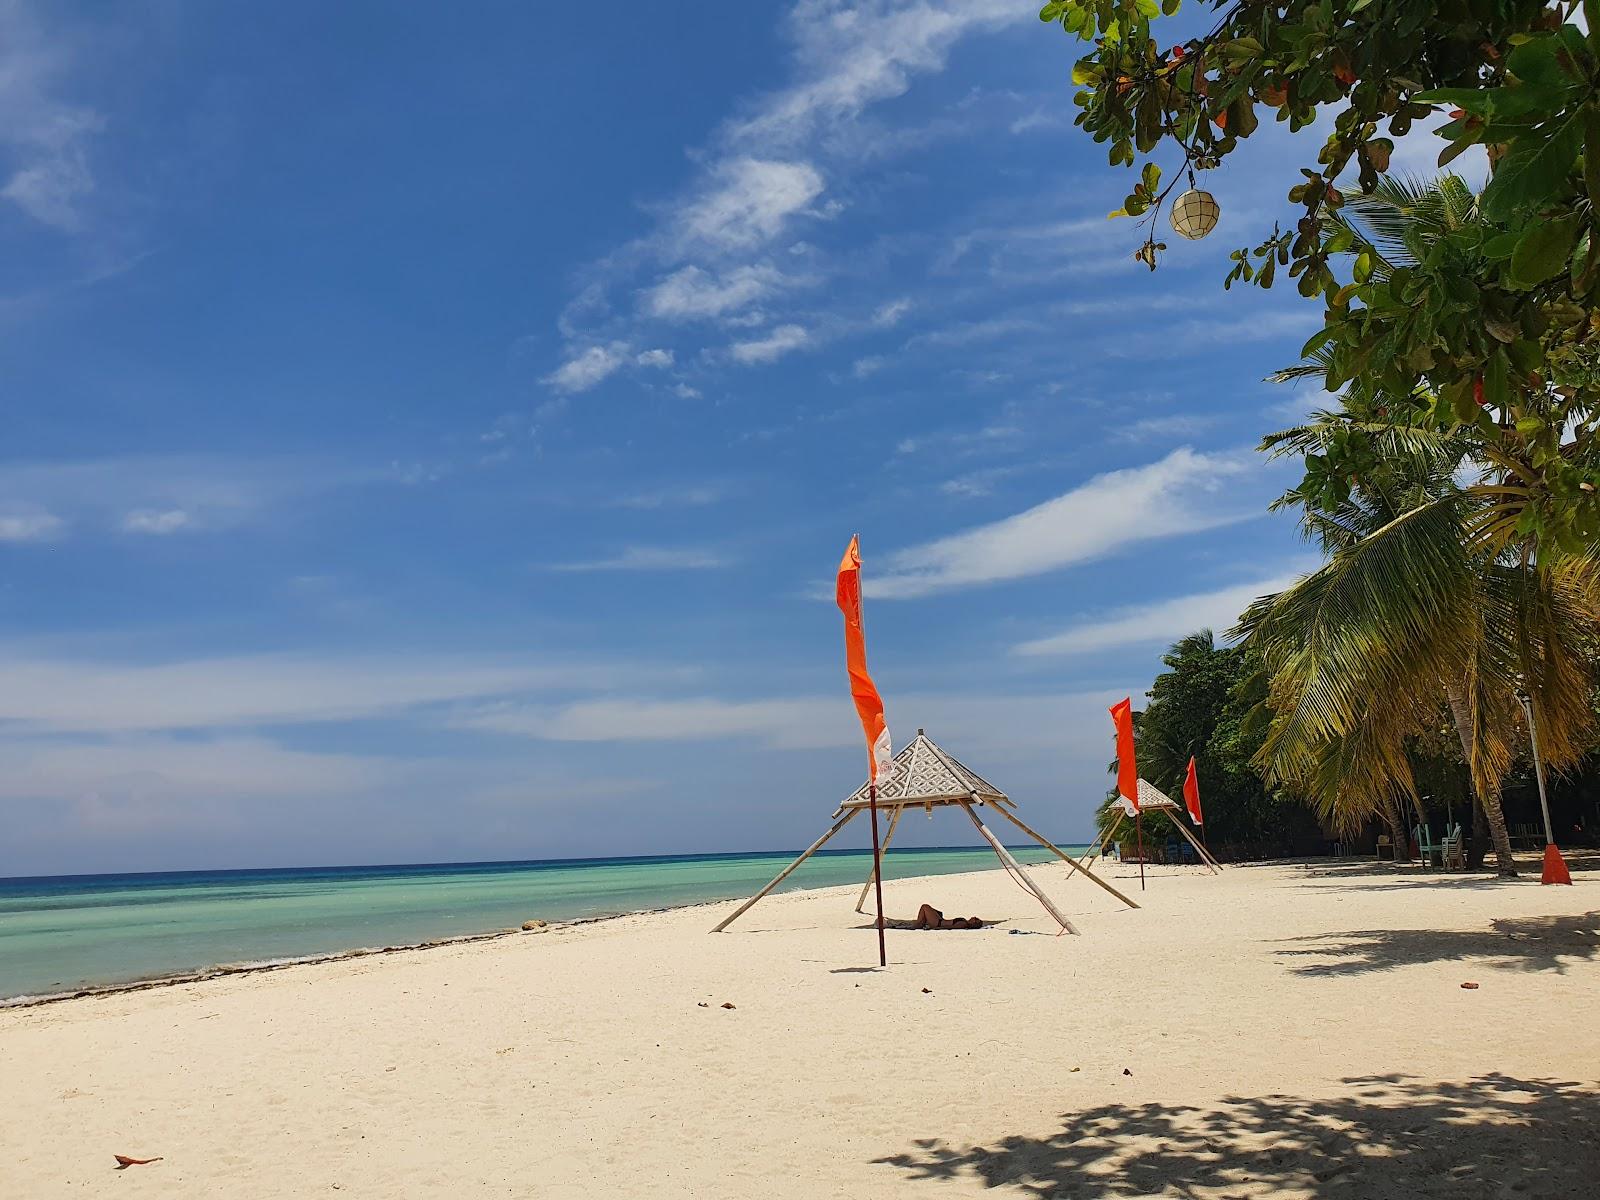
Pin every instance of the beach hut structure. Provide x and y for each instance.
(1151, 799)
(928, 777)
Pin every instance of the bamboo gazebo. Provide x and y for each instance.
(927, 777)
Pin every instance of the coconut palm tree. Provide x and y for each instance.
(1423, 603)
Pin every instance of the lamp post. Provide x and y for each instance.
(1555, 867)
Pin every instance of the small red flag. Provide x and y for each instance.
(1191, 793)
(1127, 768)
(869, 705)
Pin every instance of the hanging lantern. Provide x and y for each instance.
(1194, 214)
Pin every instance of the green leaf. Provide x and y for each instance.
(1534, 170)
(1591, 152)
(1536, 62)
(1501, 246)
(1543, 250)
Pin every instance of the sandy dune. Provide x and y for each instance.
(1276, 1031)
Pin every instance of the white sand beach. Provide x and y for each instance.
(1281, 1030)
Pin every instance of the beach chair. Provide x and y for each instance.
(1385, 842)
(1455, 851)
(1428, 850)
(1173, 853)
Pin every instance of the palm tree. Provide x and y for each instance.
(1436, 592)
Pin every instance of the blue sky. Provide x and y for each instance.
(430, 433)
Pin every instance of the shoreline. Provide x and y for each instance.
(229, 970)
(228, 967)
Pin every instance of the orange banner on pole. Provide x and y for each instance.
(1127, 767)
(869, 705)
(1191, 793)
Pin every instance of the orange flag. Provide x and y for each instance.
(1191, 793)
(869, 705)
(1127, 768)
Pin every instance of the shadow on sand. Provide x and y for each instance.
(1391, 1136)
(1522, 944)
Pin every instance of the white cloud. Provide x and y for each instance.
(868, 365)
(1164, 621)
(587, 368)
(773, 166)
(963, 722)
(1182, 493)
(748, 203)
(775, 345)
(159, 494)
(790, 722)
(854, 55)
(89, 695)
(654, 358)
(1175, 427)
(29, 526)
(693, 496)
(47, 136)
(694, 293)
(157, 521)
(890, 313)
(649, 558)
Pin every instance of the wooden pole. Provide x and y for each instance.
(789, 870)
(1006, 858)
(877, 868)
(888, 836)
(1205, 855)
(1138, 828)
(1058, 852)
(1105, 840)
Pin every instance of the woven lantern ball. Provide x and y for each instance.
(1194, 214)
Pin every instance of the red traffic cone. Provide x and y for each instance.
(1555, 867)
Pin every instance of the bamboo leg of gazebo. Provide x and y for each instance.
(1199, 849)
(787, 871)
(1105, 840)
(872, 874)
(1009, 861)
(1058, 852)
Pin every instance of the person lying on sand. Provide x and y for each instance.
(929, 917)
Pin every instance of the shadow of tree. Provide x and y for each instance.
(1391, 1136)
(1523, 943)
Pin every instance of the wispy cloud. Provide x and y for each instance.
(94, 695)
(161, 494)
(649, 558)
(789, 722)
(693, 293)
(1174, 427)
(588, 368)
(690, 496)
(1160, 622)
(157, 521)
(746, 203)
(768, 176)
(35, 526)
(1182, 493)
(48, 137)
(965, 722)
(781, 341)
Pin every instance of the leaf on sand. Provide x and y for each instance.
(124, 1162)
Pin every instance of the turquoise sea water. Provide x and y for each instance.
(62, 933)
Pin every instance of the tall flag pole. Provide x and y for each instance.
(1191, 799)
(869, 707)
(1128, 772)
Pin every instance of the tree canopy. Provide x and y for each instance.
(1494, 325)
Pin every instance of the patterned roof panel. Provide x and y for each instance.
(926, 774)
